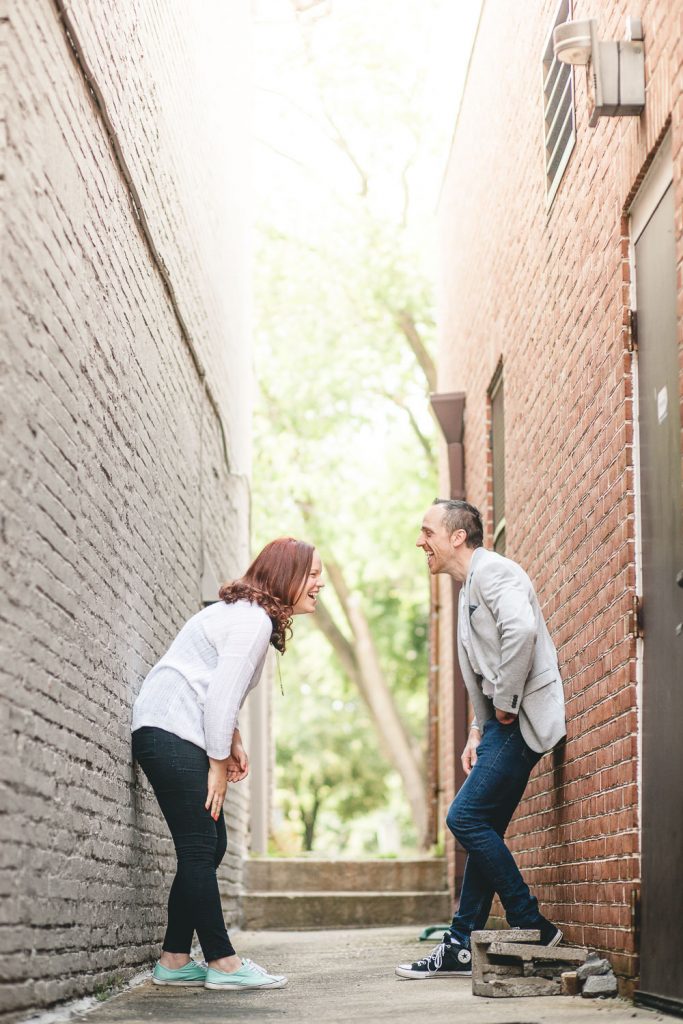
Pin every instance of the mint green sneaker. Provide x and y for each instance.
(190, 975)
(250, 975)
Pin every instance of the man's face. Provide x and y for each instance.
(435, 540)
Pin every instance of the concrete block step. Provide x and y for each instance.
(509, 963)
(522, 988)
(488, 935)
(528, 952)
(304, 910)
(302, 874)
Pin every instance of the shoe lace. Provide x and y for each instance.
(434, 960)
(255, 967)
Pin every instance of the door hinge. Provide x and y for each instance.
(635, 917)
(637, 616)
(633, 330)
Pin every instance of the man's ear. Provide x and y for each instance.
(457, 538)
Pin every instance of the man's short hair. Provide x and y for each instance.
(460, 515)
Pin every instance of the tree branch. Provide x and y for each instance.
(337, 641)
(294, 105)
(340, 588)
(406, 324)
(292, 159)
(404, 182)
(404, 407)
(337, 136)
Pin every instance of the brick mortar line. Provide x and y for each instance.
(565, 865)
(99, 103)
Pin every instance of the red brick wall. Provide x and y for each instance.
(548, 293)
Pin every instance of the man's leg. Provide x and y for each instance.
(477, 892)
(478, 818)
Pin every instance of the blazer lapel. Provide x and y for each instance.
(469, 607)
(466, 610)
(463, 611)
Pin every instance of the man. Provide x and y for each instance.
(509, 665)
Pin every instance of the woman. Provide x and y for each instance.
(187, 741)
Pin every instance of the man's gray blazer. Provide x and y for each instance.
(507, 658)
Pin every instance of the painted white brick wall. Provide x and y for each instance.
(114, 485)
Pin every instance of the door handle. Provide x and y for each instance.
(679, 577)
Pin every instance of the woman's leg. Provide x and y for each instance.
(180, 927)
(177, 771)
(221, 839)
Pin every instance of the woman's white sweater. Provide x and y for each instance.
(198, 687)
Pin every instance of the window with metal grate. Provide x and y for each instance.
(559, 127)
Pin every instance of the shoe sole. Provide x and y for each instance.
(404, 972)
(242, 988)
(556, 940)
(179, 984)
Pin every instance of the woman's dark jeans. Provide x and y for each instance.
(478, 818)
(178, 773)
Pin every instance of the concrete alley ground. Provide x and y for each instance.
(348, 975)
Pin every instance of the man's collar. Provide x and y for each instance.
(474, 559)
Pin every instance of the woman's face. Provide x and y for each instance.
(306, 600)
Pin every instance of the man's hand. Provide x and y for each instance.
(216, 786)
(505, 717)
(469, 754)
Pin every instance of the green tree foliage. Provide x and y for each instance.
(327, 758)
(344, 444)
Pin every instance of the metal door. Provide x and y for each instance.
(661, 982)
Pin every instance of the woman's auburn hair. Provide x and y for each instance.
(274, 581)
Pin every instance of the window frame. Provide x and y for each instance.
(496, 387)
(549, 65)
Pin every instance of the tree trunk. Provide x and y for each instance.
(360, 661)
(408, 327)
(309, 822)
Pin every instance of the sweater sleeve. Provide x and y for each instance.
(241, 652)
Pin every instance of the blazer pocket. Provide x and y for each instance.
(540, 680)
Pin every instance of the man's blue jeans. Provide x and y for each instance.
(478, 818)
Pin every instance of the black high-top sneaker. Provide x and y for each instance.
(550, 933)
(447, 960)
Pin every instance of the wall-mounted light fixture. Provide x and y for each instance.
(615, 71)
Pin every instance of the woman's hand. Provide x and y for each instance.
(217, 786)
(238, 762)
